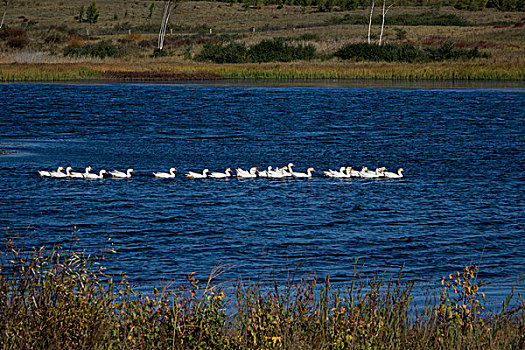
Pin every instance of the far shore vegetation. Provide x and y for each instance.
(52, 40)
(62, 298)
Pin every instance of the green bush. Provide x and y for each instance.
(101, 49)
(405, 53)
(448, 51)
(275, 50)
(507, 5)
(218, 53)
(160, 53)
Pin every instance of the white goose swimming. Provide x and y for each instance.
(307, 174)
(247, 174)
(193, 175)
(276, 173)
(343, 174)
(264, 173)
(392, 175)
(169, 175)
(226, 174)
(287, 170)
(58, 173)
(354, 173)
(365, 173)
(330, 172)
(90, 176)
(48, 173)
(76, 174)
(120, 174)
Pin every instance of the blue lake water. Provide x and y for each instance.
(461, 200)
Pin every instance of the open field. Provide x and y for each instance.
(50, 27)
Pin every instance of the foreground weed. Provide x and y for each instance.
(63, 298)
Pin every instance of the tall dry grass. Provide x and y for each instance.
(62, 298)
(87, 71)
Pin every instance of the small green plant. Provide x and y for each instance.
(160, 53)
(151, 8)
(92, 13)
(80, 16)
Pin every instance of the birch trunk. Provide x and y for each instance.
(164, 23)
(370, 23)
(383, 21)
(5, 12)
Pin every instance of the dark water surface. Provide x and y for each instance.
(462, 199)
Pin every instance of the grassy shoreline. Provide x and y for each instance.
(63, 298)
(42, 72)
(46, 41)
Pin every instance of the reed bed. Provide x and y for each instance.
(168, 71)
(394, 71)
(63, 298)
(46, 72)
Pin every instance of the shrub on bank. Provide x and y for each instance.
(275, 50)
(219, 53)
(101, 49)
(405, 53)
(62, 298)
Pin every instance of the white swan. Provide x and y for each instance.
(193, 175)
(48, 173)
(120, 174)
(95, 176)
(58, 173)
(247, 174)
(392, 175)
(307, 174)
(226, 174)
(169, 175)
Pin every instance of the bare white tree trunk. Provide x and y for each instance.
(5, 12)
(383, 22)
(164, 25)
(370, 23)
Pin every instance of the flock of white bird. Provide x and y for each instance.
(284, 172)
